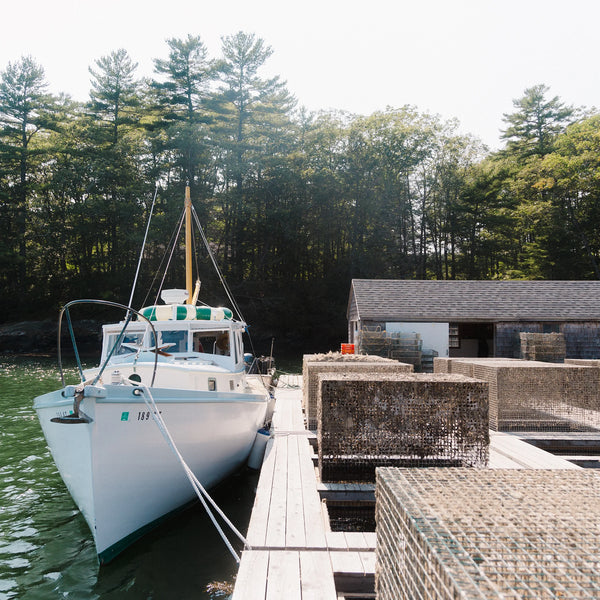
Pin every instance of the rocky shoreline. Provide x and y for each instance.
(41, 337)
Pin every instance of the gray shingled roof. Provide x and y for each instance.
(460, 301)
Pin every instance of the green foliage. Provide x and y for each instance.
(25, 115)
(294, 204)
(536, 123)
(179, 126)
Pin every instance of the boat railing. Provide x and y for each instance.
(130, 312)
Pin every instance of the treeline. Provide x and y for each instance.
(294, 204)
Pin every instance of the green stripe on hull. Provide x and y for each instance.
(111, 552)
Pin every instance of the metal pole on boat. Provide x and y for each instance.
(188, 244)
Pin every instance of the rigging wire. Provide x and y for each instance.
(174, 244)
(216, 266)
(137, 272)
(174, 236)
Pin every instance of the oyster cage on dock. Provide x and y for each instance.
(335, 362)
(532, 395)
(487, 534)
(421, 420)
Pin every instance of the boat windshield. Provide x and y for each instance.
(177, 340)
(211, 342)
(217, 342)
(131, 342)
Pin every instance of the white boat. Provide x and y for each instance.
(185, 361)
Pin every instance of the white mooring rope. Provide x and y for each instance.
(201, 492)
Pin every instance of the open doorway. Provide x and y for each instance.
(472, 340)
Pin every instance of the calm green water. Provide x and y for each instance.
(46, 548)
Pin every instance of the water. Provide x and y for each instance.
(46, 548)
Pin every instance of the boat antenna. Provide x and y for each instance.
(137, 272)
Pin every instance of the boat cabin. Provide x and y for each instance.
(215, 342)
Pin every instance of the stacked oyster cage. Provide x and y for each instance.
(413, 419)
(427, 358)
(507, 342)
(400, 346)
(374, 341)
(487, 534)
(533, 395)
(406, 347)
(335, 362)
(545, 347)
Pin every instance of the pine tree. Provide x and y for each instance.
(115, 148)
(25, 110)
(251, 123)
(533, 127)
(181, 97)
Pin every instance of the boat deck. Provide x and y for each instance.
(294, 554)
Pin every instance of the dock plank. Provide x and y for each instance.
(295, 534)
(501, 461)
(257, 528)
(313, 515)
(251, 581)
(371, 539)
(284, 416)
(355, 540)
(276, 523)
(292, 550)
(317, 583)
(526, 455)
(350, 572)
(284, 576)
(336, 541)
(346, 563)
(368, 561)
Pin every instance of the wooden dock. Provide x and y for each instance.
(294, 554)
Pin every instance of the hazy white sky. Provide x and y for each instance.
(464, 59)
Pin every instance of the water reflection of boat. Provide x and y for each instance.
(177, 361)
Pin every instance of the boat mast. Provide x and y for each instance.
(188, 245)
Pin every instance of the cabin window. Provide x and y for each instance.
(240, 347)
(131, 342)
(178, 338)
(212, 342)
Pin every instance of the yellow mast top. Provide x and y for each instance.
(188, 245)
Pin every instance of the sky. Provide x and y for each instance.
(460, 59)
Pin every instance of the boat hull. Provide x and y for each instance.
(120, 470)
